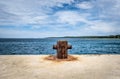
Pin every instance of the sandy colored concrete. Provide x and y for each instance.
(35, 67)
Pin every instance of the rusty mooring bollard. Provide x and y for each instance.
(62, 47)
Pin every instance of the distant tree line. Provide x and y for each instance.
(115, 36)
(110, 36)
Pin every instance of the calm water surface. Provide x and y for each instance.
(44, 46)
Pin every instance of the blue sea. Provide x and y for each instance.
(45, 46)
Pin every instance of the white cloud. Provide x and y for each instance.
(103, 27)
(28, 11)
(31, 7)
(109, 9)
(13, 33)
(71, 17)
(84, 5)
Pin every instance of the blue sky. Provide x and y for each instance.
(54, 18)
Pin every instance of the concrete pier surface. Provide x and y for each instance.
(36, 67)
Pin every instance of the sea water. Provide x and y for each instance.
(45, 46)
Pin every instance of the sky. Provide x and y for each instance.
(56, 18)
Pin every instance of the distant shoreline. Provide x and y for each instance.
(111, 36)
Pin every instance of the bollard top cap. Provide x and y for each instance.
(62, 40)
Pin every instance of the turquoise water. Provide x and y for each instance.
(44, 46)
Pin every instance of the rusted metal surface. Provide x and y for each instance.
(62, 47)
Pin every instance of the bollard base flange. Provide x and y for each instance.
(54, 58)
